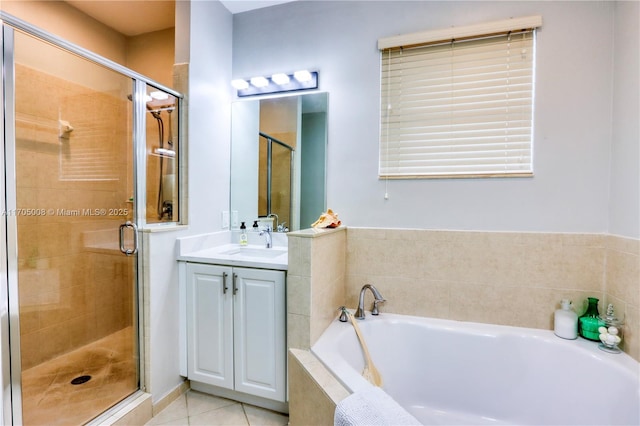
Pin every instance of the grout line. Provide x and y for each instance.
(246, 417)
(186, 404)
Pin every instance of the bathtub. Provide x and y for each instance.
(453, 372)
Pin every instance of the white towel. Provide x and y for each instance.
(371, 406)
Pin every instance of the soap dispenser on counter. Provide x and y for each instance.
(244, 238)
(565, 321)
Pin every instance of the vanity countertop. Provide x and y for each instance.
(217, 248)
(251, 256)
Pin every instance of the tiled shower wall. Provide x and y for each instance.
(504, 278)
(73, 280)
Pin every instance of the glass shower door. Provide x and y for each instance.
(74, 190)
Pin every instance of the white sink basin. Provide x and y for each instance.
(264, 253)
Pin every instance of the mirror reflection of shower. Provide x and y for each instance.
(301, 122)
(275, 180)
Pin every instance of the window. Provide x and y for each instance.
(458, 102)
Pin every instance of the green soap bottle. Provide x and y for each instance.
(590, 321)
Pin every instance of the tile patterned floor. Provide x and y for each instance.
(196, 408)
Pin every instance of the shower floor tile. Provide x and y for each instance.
(49, 398)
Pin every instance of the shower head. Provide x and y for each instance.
(156, 105)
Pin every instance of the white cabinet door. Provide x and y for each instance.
(260, 333)
(210, 324)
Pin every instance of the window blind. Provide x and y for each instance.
(458, 108)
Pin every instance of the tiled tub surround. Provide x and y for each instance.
(315, 283)
(504, 278)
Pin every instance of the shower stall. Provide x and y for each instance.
(90, 158)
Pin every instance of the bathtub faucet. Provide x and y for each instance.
(377, 298)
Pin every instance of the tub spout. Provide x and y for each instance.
(344, 315)
(377, 299)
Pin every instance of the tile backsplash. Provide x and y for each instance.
(507, 278)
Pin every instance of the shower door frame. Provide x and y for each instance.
(11, 406)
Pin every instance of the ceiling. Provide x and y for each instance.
(135, 17)
(237, 6)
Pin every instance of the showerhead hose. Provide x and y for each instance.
(160, 204)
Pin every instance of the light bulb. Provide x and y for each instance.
(280, 78)
(302, 76)
(259, 81)
(239, 84)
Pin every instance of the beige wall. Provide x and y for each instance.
(152, 55)
(64, 21)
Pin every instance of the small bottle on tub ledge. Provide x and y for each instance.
(565, 321)
(590, 322)
(611, 332)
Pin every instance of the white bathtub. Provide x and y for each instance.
(452, 372)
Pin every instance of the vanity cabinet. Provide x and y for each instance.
(236, 329)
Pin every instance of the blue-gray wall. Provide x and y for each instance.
(313, 179)
(624, 204)
(570, 191)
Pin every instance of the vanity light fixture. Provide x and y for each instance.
(277, 83)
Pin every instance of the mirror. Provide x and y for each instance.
(278, 160)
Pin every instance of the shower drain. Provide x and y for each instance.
(80, 380)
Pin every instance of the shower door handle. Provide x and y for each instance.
(123, 249)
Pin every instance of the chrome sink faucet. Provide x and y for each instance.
(267, 236)
(377, 298)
